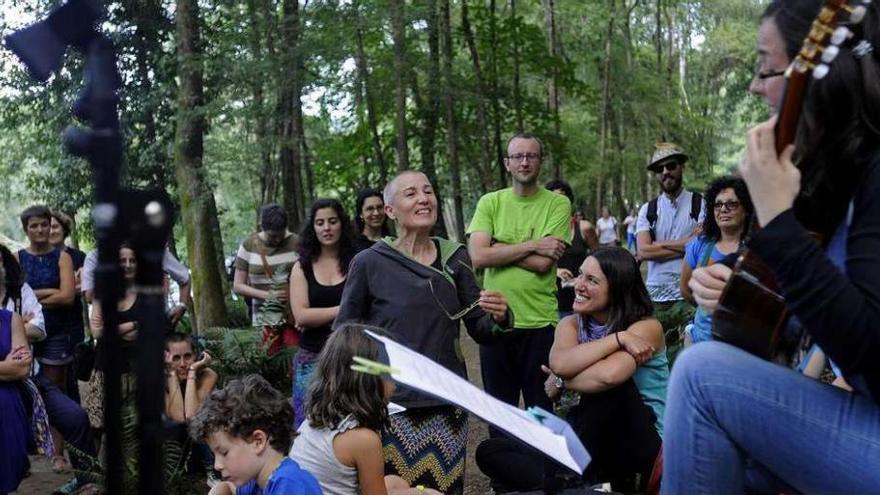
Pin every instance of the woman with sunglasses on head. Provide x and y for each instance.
(610, 358)
(735, 422)
(369, 219)
(724, 231)
(418, 287)
(316, 283)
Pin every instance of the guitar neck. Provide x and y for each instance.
(790, 113)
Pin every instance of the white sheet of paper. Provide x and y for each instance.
(395, 408)
(419, 372)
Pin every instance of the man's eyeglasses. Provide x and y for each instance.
(532, 157)
(728, 205)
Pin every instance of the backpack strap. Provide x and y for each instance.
(652, 218)
(696, 205)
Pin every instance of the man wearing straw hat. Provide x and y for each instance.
(663, 227)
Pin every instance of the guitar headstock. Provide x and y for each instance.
(819, 49)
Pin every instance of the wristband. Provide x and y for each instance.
(617, 336)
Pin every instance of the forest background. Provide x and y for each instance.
(230, 104)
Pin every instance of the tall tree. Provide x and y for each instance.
(196, 195)
(496, 106)
(451, 121)
(398, 30)
(429, 108)
(366, 90)
(482, 94)
(517, 91)
(553, 86)
(290, 113)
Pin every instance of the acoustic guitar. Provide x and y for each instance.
(751, 312)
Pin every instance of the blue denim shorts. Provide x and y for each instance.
(55, 350)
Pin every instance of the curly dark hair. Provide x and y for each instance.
(242, 407)
(341, 391)
(628, 297)
(839, 131)
(710, 227)
(362, 197)
(310, 247)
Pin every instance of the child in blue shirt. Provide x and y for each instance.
(247, 426)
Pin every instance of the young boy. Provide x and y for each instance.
(247, 426)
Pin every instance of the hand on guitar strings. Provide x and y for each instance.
(773, 181)
(707, 283)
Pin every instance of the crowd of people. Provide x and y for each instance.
(562, 314)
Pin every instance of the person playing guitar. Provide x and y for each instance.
(733, 420)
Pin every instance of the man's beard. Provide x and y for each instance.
(676, 185)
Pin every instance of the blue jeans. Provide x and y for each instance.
(735, 421)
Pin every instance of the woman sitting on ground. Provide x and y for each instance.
(190, 380)
(611, 352)
(723, 234)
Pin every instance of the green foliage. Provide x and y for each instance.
(240, 351)
(688, 85)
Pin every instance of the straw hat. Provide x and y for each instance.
(665, 151)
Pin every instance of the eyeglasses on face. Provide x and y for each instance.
(518, 157)
(767, 74)
(728, 205)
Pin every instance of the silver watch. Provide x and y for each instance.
(559, 383)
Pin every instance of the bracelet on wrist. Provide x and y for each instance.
(617, 336)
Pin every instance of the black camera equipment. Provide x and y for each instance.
(142, 217)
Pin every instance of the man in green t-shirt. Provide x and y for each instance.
(516, 235)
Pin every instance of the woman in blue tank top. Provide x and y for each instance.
(49, 272)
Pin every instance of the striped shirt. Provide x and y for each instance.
(279, 258)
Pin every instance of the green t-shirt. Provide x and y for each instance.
(512, 219)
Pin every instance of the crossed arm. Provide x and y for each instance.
(536, 256)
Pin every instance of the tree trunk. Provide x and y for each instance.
(553, 88)
(268, 172)
(517, 96)
(290, 157)
(196, 196)
(398, 30)
(496, 110)
(482, 95)
(363, 73)
(430, 111)
(451, 123)
(606, 106)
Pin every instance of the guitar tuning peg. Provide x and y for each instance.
(856, 14)
(830, 53)
(840, 35)
(820, 71)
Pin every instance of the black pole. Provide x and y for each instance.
(148, 215)
(41, 48)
